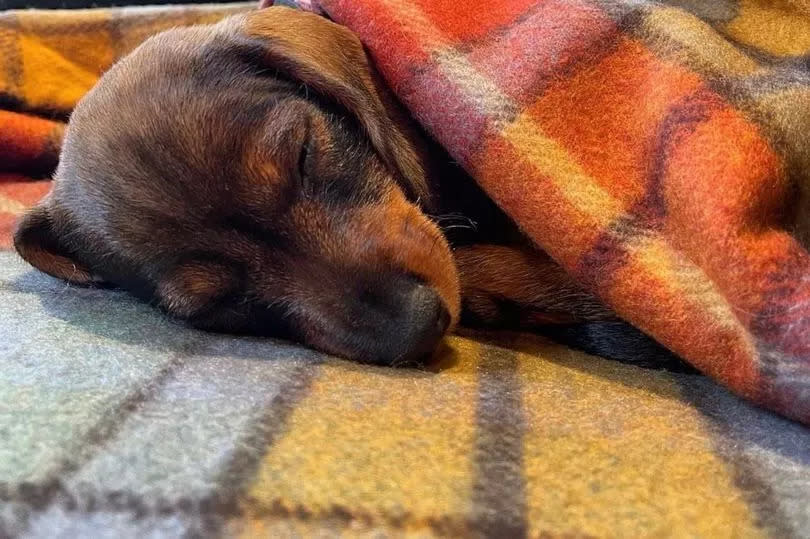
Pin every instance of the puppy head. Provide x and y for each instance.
(250, 177)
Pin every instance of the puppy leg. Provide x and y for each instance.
(524, 289)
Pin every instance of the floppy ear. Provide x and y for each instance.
(330, 60)
(39, 239)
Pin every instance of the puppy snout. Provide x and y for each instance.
(402, 319)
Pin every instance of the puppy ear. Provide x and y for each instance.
(194, 285)
(39, 239)
(330, 60)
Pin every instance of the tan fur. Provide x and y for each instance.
(528, 278)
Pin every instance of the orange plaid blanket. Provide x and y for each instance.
(657, 150)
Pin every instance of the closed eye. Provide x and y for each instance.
(253, 230)
(304, 168)
(302, 159)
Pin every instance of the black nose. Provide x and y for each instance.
(401, 320)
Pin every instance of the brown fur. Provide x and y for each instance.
(525, 278)
(255, 176)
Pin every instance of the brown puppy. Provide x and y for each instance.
(254, 176)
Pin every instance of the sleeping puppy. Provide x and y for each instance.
(254, 176)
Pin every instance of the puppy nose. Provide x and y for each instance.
(411, 326)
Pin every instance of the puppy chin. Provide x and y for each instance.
(400, 323)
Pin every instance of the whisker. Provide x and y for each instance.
(466, 227)
(454, 217)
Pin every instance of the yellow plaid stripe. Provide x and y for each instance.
(676, 32)
(399, 447)
(609, 450)
(49, 59)
(8, 205)
(774, 27)
(581, 191)
(637, 462)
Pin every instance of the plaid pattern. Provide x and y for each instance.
(115, 422)
(657, 150)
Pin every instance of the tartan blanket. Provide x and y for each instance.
(657, 150)
(116, 422)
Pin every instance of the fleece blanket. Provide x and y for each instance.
(116, 422)
(658, 150)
